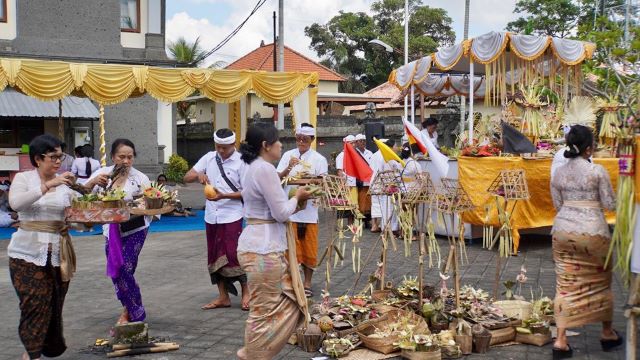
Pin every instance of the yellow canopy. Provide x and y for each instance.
(109, 84)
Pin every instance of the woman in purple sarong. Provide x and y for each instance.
(124, 241)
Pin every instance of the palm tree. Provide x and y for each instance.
(186, 52)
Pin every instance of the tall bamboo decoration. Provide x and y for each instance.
(336, 198)
(103, 145)
(453, 200)
(421, 195)
(387, 185)
(507, 189)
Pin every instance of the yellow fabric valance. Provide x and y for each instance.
(110, 84)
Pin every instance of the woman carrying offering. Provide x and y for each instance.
(580, 190)
(124, 241)
(277, 302)
(41, 257)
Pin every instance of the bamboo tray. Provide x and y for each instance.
(305, 181)
(152, 212)
(97, 216)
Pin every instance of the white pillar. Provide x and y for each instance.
(471, 97)
(413, 109)
(164, 120)
(406, 50)
(281, 57)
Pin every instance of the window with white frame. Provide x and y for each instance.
(129, 15)
(3, 11)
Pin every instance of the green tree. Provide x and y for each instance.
(559, 18)
(545, 17)
(616, 63)
(186, 52)
(343, 42)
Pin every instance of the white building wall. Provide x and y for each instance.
(165, 129)
(8, 29)
(133, 39)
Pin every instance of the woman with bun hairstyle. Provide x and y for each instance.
(124, 241)
(276, 299)
(580, 191)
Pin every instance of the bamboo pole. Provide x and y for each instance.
(143, 350)
(632, 324)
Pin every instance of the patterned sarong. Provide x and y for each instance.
(222, 258)
(583, 285)
(274, 314)
(41, 292)
(126, 287)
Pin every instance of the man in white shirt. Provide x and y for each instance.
(377, 163)
(305, 222)
(429, 126)
(364, 199)
(223, 169)
(67, 160)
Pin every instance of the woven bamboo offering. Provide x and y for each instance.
(421, 191)
(336, 195)
(386, 183)
(452, 199)
(511, 185)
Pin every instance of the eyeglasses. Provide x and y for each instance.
(303, 139)
(56, 158)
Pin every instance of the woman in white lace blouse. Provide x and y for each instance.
(274, 314)
(40, 271)
(581, 238)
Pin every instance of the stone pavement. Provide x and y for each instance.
(173, 276)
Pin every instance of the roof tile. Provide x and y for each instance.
(262, 59)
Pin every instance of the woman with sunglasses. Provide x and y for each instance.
(41, 258)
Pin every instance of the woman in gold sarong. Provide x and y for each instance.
(580, 190)
(275, 288)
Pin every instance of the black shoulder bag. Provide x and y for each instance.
(224, 176)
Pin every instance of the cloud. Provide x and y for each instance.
(486, 15)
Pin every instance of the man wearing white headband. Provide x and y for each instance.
(223, 170)
(294, 162)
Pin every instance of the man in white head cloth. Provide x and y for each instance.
(351, 181)
(223, 169)
(305, 222)
(364, 199)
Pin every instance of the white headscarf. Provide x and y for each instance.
(305, 130)
(224, 141)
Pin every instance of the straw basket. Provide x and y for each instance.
(363, 325)
(309, 342)
(533, 339)
(465, 342)
(481, 339)
(502, 336)
(421, 355)
(380, 295)
(518, 309)
(386, 345)
(153, 203)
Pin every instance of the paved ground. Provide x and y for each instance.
(173, 277)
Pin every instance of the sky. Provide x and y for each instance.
(213, 20)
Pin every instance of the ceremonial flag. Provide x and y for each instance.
(387, 153)
(439, 160)
(355, 165)
(514, 142)
(415, 136)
